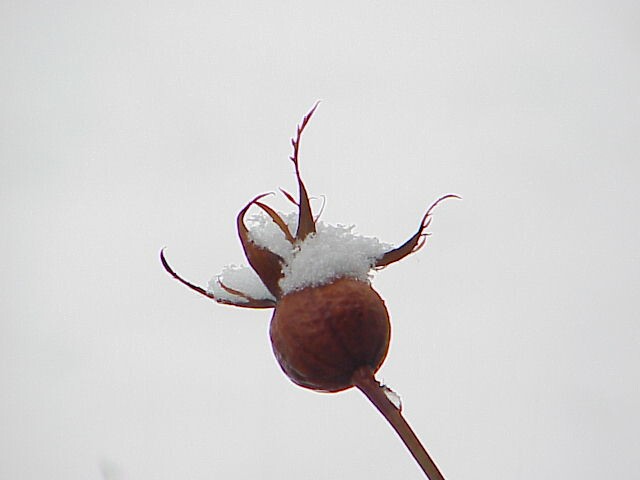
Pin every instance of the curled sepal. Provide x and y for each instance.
(289, 197)
(416, 242)
(249, 302)
(277, 219)
(306, 223)
(265, 263)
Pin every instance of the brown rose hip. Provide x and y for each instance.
(322, 335)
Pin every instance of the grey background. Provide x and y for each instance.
(128, 126)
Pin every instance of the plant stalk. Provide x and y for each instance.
(364, 380)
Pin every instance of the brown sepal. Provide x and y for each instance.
(416, 242)
(250, 301)
(306, 223)
(265, 263)
(277, 219)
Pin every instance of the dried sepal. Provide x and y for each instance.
(249, 302)
(171, 272)
(289, 197)
(277, 219)
(416, 242)
(265, 263)
(306, 223)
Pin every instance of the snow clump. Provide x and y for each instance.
(333, 252)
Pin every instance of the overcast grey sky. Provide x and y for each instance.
(128, 126)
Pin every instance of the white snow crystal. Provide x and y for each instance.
(242, 279)
(393, 397)
(334, 251)
(264, 232)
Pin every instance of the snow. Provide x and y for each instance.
(393, 397)
(264, 232)
(333, 252)
(242, 279)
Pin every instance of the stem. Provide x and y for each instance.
(364, 380)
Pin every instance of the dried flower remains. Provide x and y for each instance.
(330, 329)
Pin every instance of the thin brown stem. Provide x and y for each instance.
(364, 380)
